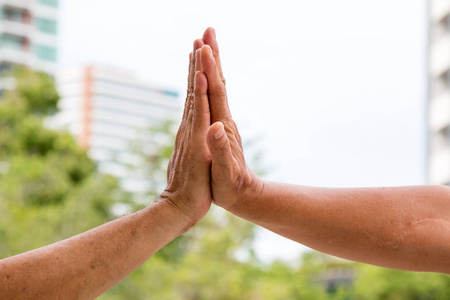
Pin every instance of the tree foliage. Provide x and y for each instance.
(49, 188)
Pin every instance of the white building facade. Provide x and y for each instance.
(28, 34)
(439, 93)
(106, 110)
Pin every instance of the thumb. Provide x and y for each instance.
(219, 146)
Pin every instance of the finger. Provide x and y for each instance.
(189, 92)
(209, 38)
(219, 147)
(198, 61)
(202, 116)
(197, 45)
(216, 89)
(190, 100)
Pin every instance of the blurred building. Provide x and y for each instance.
(439, 99)
(28, 34)
(330, 272)
(107, 109)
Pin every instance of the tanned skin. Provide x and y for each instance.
(404, 228)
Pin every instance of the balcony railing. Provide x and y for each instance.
(440, 111)
(439, 9)
(440, 58)
(15, 28)
(440, 167)
(16, 56)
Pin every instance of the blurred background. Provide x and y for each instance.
(326, 93)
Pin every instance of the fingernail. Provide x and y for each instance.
(214, 33)
(220, 132)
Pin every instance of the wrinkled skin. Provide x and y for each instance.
(188, 174)
(232, 181)
(208, 160)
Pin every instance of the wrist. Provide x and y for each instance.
(186, 204)
(171, 211)
(251, 191)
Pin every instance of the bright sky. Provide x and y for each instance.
(334, 90)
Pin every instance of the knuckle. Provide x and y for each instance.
(195, 113)
(191, 114)
(239, 140)
(186, 102)
(216, 50)
(229, 124)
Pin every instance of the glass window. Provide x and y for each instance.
(46, 25)
(12, 14)
(11, 41)
(53, 3)
(45, 52)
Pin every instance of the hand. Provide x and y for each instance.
(232, 181)
(188, 174)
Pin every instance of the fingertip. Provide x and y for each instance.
(198, 43)
(218, 145)
(199, 75)
(209, 35)
(207, 51)
(207, 48)
(208, 61)
(217, 125)
(217, 130)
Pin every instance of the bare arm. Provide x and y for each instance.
(88, 264)
(405, 228)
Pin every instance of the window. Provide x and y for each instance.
(53, 3)
(46, 25)
(12, 14)
(45, 52)
(11, 42)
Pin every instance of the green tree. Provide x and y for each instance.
(381, 283)
(369, 282)
(49, 188)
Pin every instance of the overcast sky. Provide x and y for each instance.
(334, 91)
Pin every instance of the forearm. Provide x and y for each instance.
(88, 264)
(404, 228)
